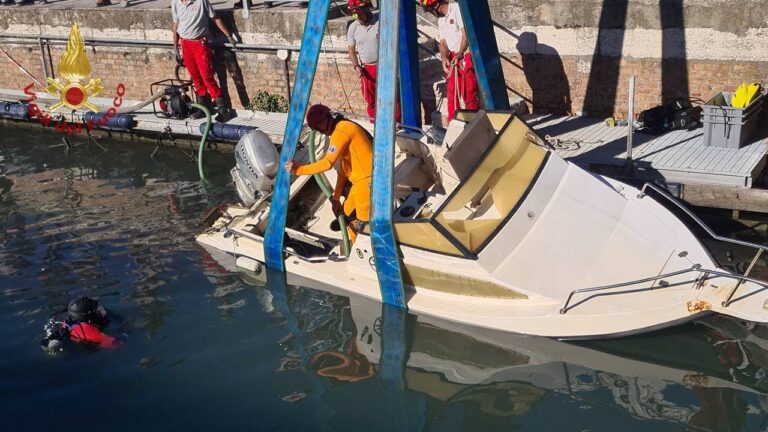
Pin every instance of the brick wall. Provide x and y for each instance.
(547, 83)
(550, 84)
(335, 83)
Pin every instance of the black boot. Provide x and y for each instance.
(225, 114)
(206, 102)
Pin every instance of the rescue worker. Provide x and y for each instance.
(363, 49)
(350, 145)
(461, 80)
(191, 21)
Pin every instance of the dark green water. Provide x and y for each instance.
(206, 349)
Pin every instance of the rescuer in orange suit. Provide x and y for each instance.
(351, 146)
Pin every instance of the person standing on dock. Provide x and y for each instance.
(363, 48)
(461, 80)
(191, 21)
(352, 146)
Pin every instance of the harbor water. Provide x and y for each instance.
(208, 349)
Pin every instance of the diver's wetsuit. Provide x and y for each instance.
(352, 144)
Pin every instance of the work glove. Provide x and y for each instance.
(233, 41)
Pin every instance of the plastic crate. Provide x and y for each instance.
(726, 126)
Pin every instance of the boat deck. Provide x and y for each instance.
(676, 156)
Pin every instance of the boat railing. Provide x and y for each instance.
(704, 274)
(760, 248)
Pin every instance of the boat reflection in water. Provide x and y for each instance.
(710, 375)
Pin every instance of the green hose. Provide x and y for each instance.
(204, 139)
(345, 246)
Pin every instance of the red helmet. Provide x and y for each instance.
(430, 5)
(317, 115)
(358, 4)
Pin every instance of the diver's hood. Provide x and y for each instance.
(86, 309)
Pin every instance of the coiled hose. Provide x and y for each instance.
(203, 139)
(345, 246)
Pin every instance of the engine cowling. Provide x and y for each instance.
(256, 166)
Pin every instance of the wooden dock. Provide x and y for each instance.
(675, 157)
(704, 176)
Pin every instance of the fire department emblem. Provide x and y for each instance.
(74, 68)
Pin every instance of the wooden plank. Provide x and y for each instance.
(662, 148)
(726, 197)
(710, 159)
(730, 164)
(756, 160)
(680, 151)
(693, 149)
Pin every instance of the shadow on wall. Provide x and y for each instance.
(603, 84)
(545, 74)
(674, 64)
(226, 65)
(600, 96)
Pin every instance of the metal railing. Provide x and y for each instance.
(760, 248)
(704, 274)
(20, 39)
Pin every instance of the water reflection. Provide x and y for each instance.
(120, 225)
(707, 376)
(99, 223)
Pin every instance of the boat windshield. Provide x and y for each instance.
(482, 203)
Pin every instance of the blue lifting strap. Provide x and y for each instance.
(311, 41)
(485, 54)
(409, 66)
(382, 236)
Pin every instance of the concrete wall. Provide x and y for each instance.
(559, 56)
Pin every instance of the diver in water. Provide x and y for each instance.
(83, 322)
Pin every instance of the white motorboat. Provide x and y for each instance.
(496, 230)
(344, 337)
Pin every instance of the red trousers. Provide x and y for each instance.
(462, 86)
(368, 88)
(197, 60)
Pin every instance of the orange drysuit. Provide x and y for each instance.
(352, 144)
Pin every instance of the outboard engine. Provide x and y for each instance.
(256, 168)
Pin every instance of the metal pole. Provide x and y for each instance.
(630, 117)
(246, 9)
(60, 40)
(42, 58)
(21, 68)
(50, 60)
